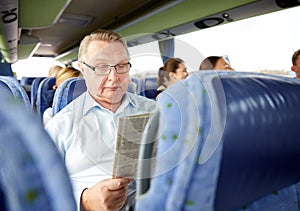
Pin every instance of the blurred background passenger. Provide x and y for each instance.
(173, 70)
(296, 63)
(53, 70)
(62, 75)
(215, 63)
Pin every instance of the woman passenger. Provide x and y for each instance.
(214, 63)
(61, 76)
(173, 70)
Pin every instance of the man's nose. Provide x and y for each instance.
(113, 75)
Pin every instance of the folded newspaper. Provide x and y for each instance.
(128, 142)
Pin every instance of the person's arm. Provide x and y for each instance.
(47, 115)
(106, 195)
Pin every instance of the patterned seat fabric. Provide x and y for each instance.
(148, 87)
(66, 92)
(17, 90)
(228, 141)
(135, 85)
(45, 95)
(32, 173)
(33, 91)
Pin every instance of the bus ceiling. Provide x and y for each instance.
(54, 28)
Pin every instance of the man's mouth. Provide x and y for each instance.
(112, 88)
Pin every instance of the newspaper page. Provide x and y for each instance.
(128, 141)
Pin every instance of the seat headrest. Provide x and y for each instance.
(260, 140)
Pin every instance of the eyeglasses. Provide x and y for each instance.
(104, 69)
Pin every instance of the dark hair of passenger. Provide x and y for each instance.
(172, 64)
(295, 55)
(209, 63)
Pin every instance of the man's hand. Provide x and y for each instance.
(106, 195)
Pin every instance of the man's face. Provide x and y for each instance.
(296, 67)
(108, 89)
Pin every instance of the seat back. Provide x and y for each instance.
(45, 95)
(4, 86)
(32, 173)
(137, 85)
(149, 87)
(27, 80)
(228, 141)
(17, 90)
(26, 83)
(66, 92)
(33, 91)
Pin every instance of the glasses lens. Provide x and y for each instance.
(102, 69)
(122, 68)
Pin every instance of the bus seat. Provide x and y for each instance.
(33, 91)
(16, 88)
(4, 86)
(137, 85)
(149, 87)
(27, 80)
(45, 95)
(227, 141)
(26, 83)
(32, 173)
(66, 92)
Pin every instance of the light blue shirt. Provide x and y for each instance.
(85, 134)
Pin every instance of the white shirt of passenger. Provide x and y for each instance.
(85, 134)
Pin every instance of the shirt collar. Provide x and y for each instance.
(90, 103)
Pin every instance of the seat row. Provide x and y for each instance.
(41, 91)
(146, 86)
(12, 86)
(226, 141)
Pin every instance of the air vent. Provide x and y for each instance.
(209, 22)
(77, 20)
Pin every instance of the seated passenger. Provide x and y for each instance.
(296, 63)
(53, 70)
(215, 63)
(62, 75)
(173, 70)
(85, 130)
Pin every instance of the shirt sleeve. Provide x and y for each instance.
(47, 115)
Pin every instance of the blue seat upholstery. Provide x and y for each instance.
(32, 173)
(149, 87)
(71, 89)
(228, 141)
(27, 80)
(16, 88)
(137, 85)
(33, 91)
(4, 86)
(66, 92)
(45, 95)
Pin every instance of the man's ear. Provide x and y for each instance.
(293, 68)
(80, 65)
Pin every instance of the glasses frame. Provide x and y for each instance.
(110, 67)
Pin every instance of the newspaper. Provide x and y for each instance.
(127, 146)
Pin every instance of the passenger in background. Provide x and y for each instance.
(215, 63)
(85, 130)
(173, 70)
(62, 75)
(296, 63)
(53, 70)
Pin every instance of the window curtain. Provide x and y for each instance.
(166, 48)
